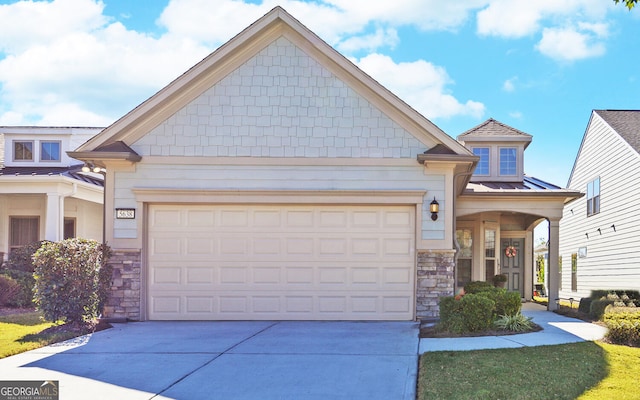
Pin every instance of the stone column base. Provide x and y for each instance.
(435, 279)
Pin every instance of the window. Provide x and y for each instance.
(23, 151)
(483, 165)
(489, 254)
(508, 161)
(23, 231)
(593, 197)
(49, 151)
(69, 228)
(463, 270)
(574, 272)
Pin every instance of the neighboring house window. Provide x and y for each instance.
(49, 151)
(23, 151)
(69, 228)
(483, 165)
(593, 197)
(574, 272)
(508, 161)
(465, 241)
(23, 231)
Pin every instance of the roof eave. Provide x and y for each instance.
(104, 155)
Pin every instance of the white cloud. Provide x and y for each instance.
(514, 19)
(65, 62)
(570, 44)
(421, 84)
(91, 71)
(510, 84)
(515, 114)
(379, 38)
(334, 21)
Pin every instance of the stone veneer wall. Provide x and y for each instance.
(124, 300)
(435, 280)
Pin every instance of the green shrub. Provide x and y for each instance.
(20, 267)
(9, 291)
(623, 326)
(72, 279)
(477, 287)
(598, 307)
(477, 311)
(506, 303)
(472, 313)
(585, 305)
(513, 323)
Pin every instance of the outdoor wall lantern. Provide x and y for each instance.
(434, 207)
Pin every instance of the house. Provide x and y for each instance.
(276, 180)
(43, 193)
(600, 231)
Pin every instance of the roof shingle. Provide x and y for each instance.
(626, 123)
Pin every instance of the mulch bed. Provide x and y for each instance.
(431, 332)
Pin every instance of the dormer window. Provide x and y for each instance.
(23, 150)
(50, 151)
(483, 165)
(508, 161)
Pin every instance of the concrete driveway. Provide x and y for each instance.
(230, 360)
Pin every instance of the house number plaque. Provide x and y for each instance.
(125, 213)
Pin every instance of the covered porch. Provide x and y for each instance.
(495, 234)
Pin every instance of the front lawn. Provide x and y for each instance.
(584, 370)
(22, 332)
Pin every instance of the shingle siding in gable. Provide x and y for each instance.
(280, 103)
(612, 255)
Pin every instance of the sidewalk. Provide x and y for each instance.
(557, 329)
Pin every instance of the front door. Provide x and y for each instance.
(512, 264)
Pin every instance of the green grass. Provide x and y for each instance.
(23, 332)
(545, 372)
(621, 383)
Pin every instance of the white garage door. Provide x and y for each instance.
(281, 262)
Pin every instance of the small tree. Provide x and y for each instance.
(72, 279)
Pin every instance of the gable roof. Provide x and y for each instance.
(231, 55)
(626, 123)
(492, 130)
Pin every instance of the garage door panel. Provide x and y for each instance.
(281, 262)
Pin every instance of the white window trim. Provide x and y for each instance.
(41, 142)
(517, 161)
(488, 160)
(33, 150)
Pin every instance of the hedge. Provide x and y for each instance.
(623, 326)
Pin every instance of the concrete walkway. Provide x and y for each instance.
(230, 360)
(557, 329)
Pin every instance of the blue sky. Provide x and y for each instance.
(540, 66)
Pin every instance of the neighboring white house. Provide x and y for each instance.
(276, 180)
(600, 232)
(43, 193)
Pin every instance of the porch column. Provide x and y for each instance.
(554, 271)
(53, 220)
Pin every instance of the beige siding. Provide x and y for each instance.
(225, 177)
(612, 259)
